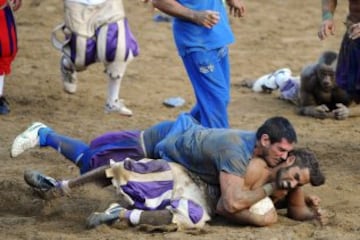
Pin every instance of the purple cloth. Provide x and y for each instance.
(348, 68)
(111, 44)
(116, 146)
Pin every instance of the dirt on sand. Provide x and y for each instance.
(273, 34)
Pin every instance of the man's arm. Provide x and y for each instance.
(327, 26)
(245, 217)
(236, 199)
(298, 209)
(206, 18)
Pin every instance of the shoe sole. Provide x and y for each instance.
(23, 142)
(31, 178)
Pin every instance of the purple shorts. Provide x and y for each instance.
(113, 145)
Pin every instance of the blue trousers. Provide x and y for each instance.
(209, 73)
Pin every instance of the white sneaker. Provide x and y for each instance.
(68, 76)
(27, 139)
(119, 107)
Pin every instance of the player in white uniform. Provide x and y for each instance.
(96, 31)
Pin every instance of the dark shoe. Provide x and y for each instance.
(109, 216)
(4, 106)
(47, 187)
(37, 180)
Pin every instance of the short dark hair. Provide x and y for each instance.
(277, 128)
(305, 158)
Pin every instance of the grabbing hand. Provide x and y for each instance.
(312, 201)
(341, 112)
(354, 31)
(322, 215)
(206, 18)
(327, 28)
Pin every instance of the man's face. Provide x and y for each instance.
(277, 152)
(292, 177)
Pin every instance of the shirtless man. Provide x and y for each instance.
(161, 193)
(348, 66)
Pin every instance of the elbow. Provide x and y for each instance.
(231, 207)
(267, 219)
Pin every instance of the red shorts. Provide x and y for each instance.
(8, 39)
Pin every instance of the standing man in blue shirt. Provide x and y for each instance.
(202, 34)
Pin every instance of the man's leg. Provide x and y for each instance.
(116, 47)
(210, 81)
(49, 187)
(38, 134)
(132, 217)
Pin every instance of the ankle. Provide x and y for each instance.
(43, 133)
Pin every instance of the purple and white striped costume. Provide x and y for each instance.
(149, 184)
(95, 32)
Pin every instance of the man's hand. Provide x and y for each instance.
(237, 8)
(312, 201)
(321, 215)
(327, 28)
(341, 112)
(354, 31)
(15, 4)
(206, 18)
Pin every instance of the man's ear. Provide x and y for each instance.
(290, 160)
(265, 140)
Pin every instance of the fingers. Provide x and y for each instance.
(327, 28)
(207, 18)
(313, 201)
(323, 216)
(16, 4)
(342, 112)
(237, 11)
(354, 31)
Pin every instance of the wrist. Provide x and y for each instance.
(268, 188)
(327, 16)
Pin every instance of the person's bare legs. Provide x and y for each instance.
(49, 188)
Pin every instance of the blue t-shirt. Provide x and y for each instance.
(206, 151)
(190, 36)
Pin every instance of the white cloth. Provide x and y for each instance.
(273, 80)
(87, 2)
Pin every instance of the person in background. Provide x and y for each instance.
(8, 45)
(96, 30)
(348, 64)
(202, 33)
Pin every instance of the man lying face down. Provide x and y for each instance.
(160, 192)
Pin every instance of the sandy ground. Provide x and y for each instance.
(274, 34)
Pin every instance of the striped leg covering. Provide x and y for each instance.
(150, 184)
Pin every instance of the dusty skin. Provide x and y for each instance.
(273, 34)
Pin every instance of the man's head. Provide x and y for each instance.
(275, 138)
(301, 167)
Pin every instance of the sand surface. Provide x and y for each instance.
(273, 34)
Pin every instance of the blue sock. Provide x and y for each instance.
(72, 149)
